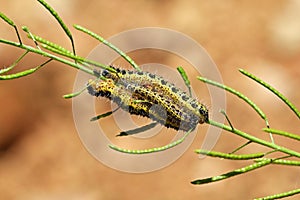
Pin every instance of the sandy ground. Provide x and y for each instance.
(41, 155)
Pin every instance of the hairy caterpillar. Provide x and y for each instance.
(137, 92)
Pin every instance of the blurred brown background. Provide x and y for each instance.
(41, 156)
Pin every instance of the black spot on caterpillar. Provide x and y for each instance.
(137, 91)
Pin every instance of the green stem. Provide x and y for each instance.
(60, 21)
(102, 40)
(43, 53)
(23, 73)
(138, 130)
(104, 114)
(2, 71)
(280, 161)
(282, 133)
(78, 58)
(232, 173)
(281, 195)
(152, 150)
(240, 95)
(55, 48)
(11, 23)
(185, 79)
(255, 139)
(229, 156)
(272, 89)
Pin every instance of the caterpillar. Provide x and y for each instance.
(137, 92)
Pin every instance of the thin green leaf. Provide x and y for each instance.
(75, 94)
(2, 71)
(227, 118)
(255, 139)
(240, 95)
(229, 156)
(104, 115)
(11, 23)
(185, 78)
(282, 133)
(25, 28)
(23, 73)
(152, 150)
(281, 195)
(138, 130)
(116, 49)
(232, 173)
(60, 21)
(49, 55)
(51, 44)
(6, 19)
(280, 161)
(240, 147)
(78, 59)
(272, 89)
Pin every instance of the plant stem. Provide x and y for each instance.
(255, 139)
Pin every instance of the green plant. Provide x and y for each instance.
(60, 54)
